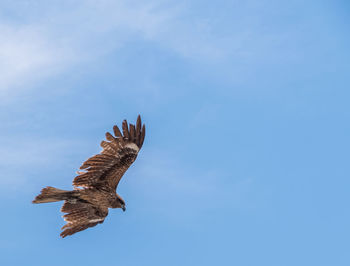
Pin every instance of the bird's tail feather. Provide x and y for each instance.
(51, 194)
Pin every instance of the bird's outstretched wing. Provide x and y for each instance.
(80, 216)
(105, 170)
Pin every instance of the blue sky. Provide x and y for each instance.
(246, 103)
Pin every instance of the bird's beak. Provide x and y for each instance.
(123, 208)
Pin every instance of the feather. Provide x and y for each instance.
(132, 132)
(143, 134)
(117, 132)
(75, 229)
(81, 216)
(106, 145)
(99, 159)
(125, 129)
(109, 136)
(138, 130)
(111, 147)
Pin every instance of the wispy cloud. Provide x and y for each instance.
(42, 45)
(26, 55)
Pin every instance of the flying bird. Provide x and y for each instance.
(95, 186)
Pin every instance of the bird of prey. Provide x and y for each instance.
(95, 187)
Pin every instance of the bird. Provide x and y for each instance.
(95, 185)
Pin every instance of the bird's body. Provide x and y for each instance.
(95, 187)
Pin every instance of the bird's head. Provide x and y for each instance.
(121, 203)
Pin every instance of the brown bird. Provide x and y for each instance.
(95, 187)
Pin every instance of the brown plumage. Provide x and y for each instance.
(95, 187)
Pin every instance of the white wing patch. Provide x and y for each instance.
(96, 220)
(132, 146)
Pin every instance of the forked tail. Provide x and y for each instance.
(51, 194)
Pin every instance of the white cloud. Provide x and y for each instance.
(52, 37)
(26, 55)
